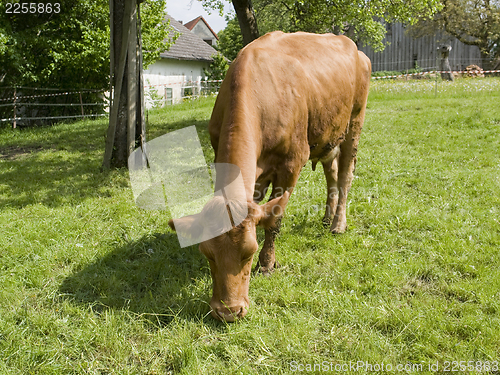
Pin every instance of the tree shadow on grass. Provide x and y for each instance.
(152, 277)
(54, 166)
(63, 165)
(55, 179)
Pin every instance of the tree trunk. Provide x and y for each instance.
(445, 68)
(487, 62)
(126, 129)
(246, 19)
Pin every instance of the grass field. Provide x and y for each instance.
(90, 284)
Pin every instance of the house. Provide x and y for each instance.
(405, 52)
(179, 71)
(201, 28)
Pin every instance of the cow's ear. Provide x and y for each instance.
(270, 213)
(187, 226)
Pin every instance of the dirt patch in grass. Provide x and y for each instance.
(17, 152)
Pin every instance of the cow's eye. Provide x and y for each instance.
(248, 252)
(246, 259)
(207, 254)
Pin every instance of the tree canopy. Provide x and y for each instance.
(154, 30)
(69, 48)
(361, 20)
(230, 39)
(473, 22)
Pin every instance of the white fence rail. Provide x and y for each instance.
(176, 92)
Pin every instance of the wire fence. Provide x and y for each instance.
(30, 106)
(457, 64)
(33, 106)
(472, 72)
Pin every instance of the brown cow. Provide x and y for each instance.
(286, 98)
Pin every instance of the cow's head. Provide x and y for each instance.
(230, 254)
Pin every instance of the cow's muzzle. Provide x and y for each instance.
(229, 314)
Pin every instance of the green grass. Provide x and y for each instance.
(90, 284)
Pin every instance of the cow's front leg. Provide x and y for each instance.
(267, 258)
(282, 186)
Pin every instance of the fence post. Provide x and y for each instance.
(437, 67)
(81, 105)
(14, 124)
(446, 73)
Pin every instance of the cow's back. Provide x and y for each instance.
(290, 95)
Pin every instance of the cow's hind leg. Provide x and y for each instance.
(346, 165)
(267, 257)
(330, 168)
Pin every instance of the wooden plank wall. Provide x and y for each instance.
(404, 52)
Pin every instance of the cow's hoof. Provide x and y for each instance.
(338, 230)
(327, 222)
(266, 271)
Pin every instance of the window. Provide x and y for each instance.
(168, 96)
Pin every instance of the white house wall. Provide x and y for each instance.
(176, 74)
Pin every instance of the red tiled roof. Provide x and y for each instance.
(188, 46)
(191, 24)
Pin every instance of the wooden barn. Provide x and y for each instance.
(404, 52)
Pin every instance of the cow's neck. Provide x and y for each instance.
(238, 146)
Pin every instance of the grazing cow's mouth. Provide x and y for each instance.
(229, 315)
